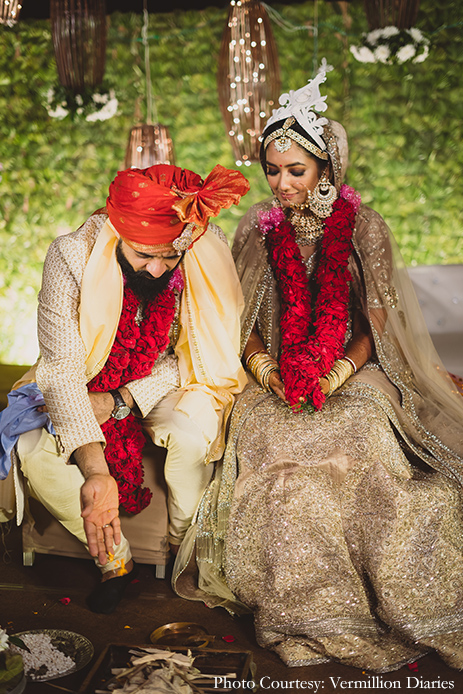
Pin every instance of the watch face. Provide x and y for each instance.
(121, 412)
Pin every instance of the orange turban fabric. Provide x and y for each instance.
(150, 207)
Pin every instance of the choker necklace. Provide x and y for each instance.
(309, 228)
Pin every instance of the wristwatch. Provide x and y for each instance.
(121, 409)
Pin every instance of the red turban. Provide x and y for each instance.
(150, 207)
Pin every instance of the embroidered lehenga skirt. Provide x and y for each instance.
(341, 546)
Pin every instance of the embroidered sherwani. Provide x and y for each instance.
(61, 373)
(188, 390)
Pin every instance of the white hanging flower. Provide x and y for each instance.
(405, 53)
(362, 54)
(387, 32)
(108, 111)
(373, 36)
(382, 54)
(422, 56)
(101, 98)
(392, 45)
(416, 34)
(86, 105)
(59, 112)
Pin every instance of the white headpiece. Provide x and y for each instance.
(301, 106)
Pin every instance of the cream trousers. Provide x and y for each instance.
(56, 484)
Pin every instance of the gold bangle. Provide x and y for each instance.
(253, 354)
(262, 365)
(258, 360)
(339, 373)
(352, 362)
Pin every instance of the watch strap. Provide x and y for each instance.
(118, 399)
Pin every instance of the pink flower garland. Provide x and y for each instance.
(309, 348)
(132, 356)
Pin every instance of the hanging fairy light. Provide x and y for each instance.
(9, 12)
(149, 143)
(248, 77)
(78, 29)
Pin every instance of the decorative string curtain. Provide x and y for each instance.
(79, 39)
(248, 77)
(399, 13)
(9, 12)
(149, 143)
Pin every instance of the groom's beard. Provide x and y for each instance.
(144, 285)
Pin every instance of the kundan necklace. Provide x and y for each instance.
(308, 227)
(310, 347)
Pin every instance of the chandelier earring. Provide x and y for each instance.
(323, 196)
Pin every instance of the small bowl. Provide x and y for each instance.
(182, 634)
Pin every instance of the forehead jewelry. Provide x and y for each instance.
(285, 136)
(302, 106)
(283, 142)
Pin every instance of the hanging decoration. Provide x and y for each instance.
(248, 77)
(149, 143)
(392, 38)
(390, 45)
(384, 13)
(9, 12)
(79, 38)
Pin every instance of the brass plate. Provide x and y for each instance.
(182, 634)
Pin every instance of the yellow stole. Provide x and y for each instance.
(209, 338)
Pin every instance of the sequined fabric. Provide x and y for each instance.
(339, 545)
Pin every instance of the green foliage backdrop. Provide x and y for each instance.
(405, 125)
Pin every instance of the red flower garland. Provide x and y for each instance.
(135, 349)
(309, 349)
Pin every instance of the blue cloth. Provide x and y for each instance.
(20, 416)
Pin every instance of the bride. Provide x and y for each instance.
(336, 516)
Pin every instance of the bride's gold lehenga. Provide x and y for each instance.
(343, 530)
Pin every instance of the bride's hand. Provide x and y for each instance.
(276, 384)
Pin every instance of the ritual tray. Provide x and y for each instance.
(217, 662)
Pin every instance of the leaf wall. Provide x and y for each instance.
(404, 123)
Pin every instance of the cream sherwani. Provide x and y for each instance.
(184, 403)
